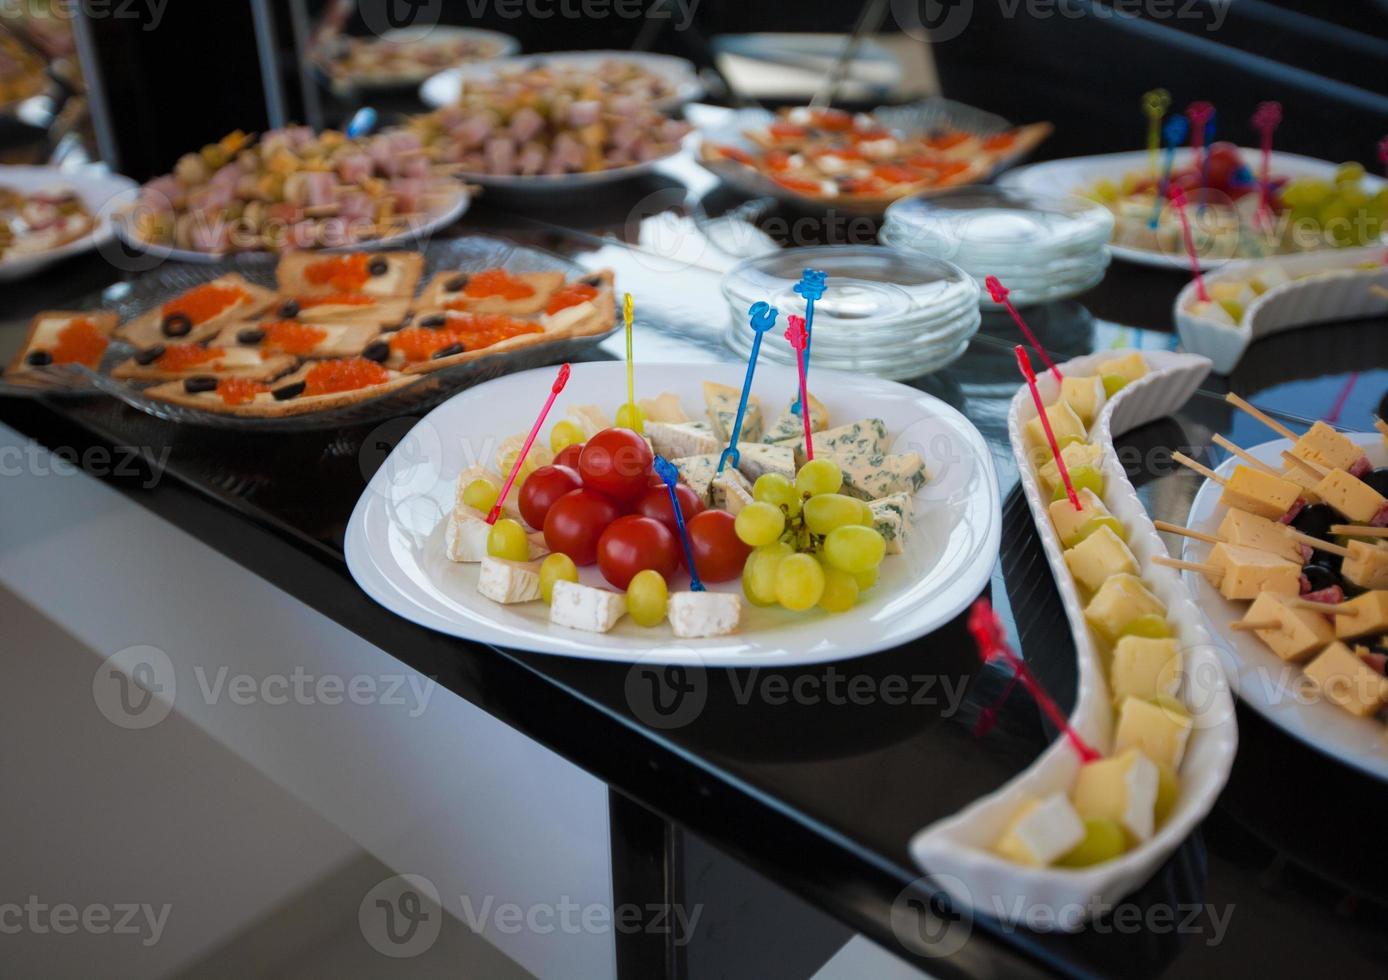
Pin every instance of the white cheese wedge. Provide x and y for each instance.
(495, 479)
(1123, 788)
(509, 582)
(722, 402)
(583, 607)
(871, 477)
(665, 407)
(696, 614)
(697, 473)
(730, 491)
(1041, 832)
(891, 516)
(465, 537)
(757, 458)
(865, 437)
(590, 418)
(540, 455)
(675, 440)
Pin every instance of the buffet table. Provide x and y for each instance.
(822, 790)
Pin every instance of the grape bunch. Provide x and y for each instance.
(811, 544)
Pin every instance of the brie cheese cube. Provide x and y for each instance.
(536, 544)
(465, 536)
(1144, 667)
(1119, 601)
(1041, 832)
(891, 517)
(729, 491)
(1348, 681)
(583, 607)
(506, 451)
(867, 437)
(1158, 731)
(1242, 573)
(1085, 396)
(1328, 447)
(697, 473)
(756, 458)
(1351, 496)
(1122, 789)
(1239, 527)
(491, 476)
(665, 407)
(1260, 493)
(697, 614)
(876, 476)
(1066, 426)
(722, 404)
(1101, 554)
(674, 440)
(1298, 633)
(509, 582)
(1076, 454)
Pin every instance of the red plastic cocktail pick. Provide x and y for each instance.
(559, 384)
(1266, 119)
(1024, 363)
(1178, 201)
(1333, 415)
(1199, 114)
(992, 645)
(999, 294)
(799, 338)
(1383, 154)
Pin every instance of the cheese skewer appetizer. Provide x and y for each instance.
(1249, 530)
(1243, 454)
(1252, 490)
(1321, 443)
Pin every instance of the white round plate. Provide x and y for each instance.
(458, 203)
(1264, 682)
(394, 541)
(100, 192)
(1075, 175)
(506, 45)
(442, 89)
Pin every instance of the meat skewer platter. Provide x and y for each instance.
(47, 215)
(321, 339)
(1287, 555)
(404, 57)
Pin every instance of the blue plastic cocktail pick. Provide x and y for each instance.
(763, 318)
(1174, 133)
(1205, 163)
(362, 123)
(810, 286)
(671, 478)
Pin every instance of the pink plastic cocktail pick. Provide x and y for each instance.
(1178, 201)
(1199, 114)
(992, 645)
(1266, 119)
(999, 294)
(798, 338)
(1024, 363)
(559, 384)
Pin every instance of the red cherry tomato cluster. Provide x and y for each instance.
(600, 501)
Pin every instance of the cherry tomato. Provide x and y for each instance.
(616, 462)
(568, 456)
(575, 522)
(718, 552)
(634, 543)
(542, 488)
(655, 504)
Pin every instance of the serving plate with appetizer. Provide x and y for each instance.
(405, 57)
(1286, 555)
(47, 215)
(888, 533)
(1151, 738)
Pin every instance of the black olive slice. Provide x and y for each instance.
(149, 355)
(39, 358)
(287, 392)
(449, 351)
(289, 309)
(177, 325)
(378, 267)
(249, 336)
(435, 321)
(200, 383)
(457, 284)
(377, 350)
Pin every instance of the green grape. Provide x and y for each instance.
(507, 540)
(1349, 173)
(818, 476)
(759, 523)
(1113, 384)
(866, 580)
(630, 416)
(840, 591)
(830, 510)
(1168, 789)
(1148, 625)
(647, 597)
(1234, 308)
(775, 489)
(557, 567)
(1084, 478)
(1096, 522)
(759, 573)
(565, 434)
(799, 582)
(481, 494)
(1103, 841)
(865, 516)
(854, 548)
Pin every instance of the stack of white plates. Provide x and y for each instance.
(1041, 247)
(884, 312)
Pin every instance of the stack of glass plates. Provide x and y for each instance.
(1042, 247)
(884, 312)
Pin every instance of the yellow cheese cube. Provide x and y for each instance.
(1119, 601)
(1324, 445)
(1041, 831)
(1252, 531)
(1351, 496)
(1245, 572)
(1259, 493)
(1073, 526)
(1364, 615)
(1298, 633)
(1347, 681)
(1159, 731)
(1144, 667)
(1085, 395)
(1122, 789)
(1304, 479)
(1098, 556)
(1366, 565)
(1065, 426)
(1130, 367)
(1076, 454)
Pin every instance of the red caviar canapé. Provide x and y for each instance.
(785, 131)
(894, 174)
(472, 330)
(290, 337)
(180, 357)
(800, 184)
(335, 299)
(346, 374)
(346, 273)
(945, 141)
(204, 302)
(1000, 142)
(735, 153)
(497, 282)
(239, 391)
(79, 342)
(570, 295)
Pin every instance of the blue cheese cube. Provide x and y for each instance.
(789, 427)
(872, 476)
(697, 472)
(891, 516)
(583, 607)
(866, 437)
(722, 404)
(699, 614)
(756, 458)
(730, 491)
(675, 440)
(509, 582)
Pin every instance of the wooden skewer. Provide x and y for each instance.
(1242, 626)
(1244, 455)
(1261, 416)
(1315, 469)
(1204, 471)
(1359, 530)
(1381, 425)
(1317, 543)
(1186, 532)
(1193, 566)
(1378, 290)
(1329, 608)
